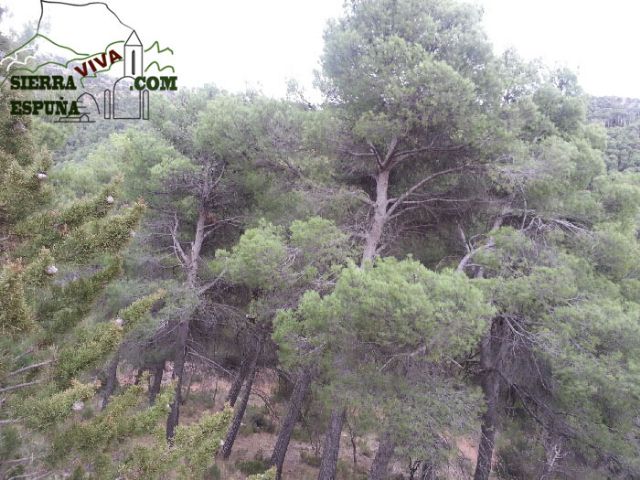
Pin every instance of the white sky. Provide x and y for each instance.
(262, 43)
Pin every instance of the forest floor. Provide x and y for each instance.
(259, 432)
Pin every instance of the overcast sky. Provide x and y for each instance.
(262, 43)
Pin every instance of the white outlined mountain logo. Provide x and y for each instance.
(60, 66)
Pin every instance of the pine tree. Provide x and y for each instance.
(277, 268)
(416, 113)
(58, 261)
(556, 201)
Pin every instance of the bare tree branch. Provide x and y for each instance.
(401, 199)
(182, 257)
(374, 150)
(212, 283)
(16, 387)
(390, 152)
(29, 367)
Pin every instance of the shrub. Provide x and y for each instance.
(268, 475)
(310, 458)
(257, 420)
(213, 473)
(252, 467)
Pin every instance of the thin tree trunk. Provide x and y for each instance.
(300, 390)
(190, 263)
(487, 442)
(188, 392)
(380, 465)
(239, 414)
(329, 463)
(112, 380)
(178, 372)
(215, 393)
(490, 350)
(157, 382)
(238, 381)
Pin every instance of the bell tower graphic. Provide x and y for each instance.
(125, 101)
(133, 56)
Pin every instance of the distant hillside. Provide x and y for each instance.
(621, 117)
(614, 111)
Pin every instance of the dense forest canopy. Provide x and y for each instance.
(432, 274)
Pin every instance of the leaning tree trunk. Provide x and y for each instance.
(178, 372)
(157, 382)
(487, 439)
(185, 397)
(490, 352)
(380, 465)
(112, 380)
(331, 449)
(239, 414)
(190, 263)
(300, 390)
(236, 386)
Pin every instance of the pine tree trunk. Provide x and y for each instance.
(376, 229)
(380, 465)
(487, 442)
(300, 390)
(236, 386)
(178, 372)
(112, 380)
(239, 414)
(185, 397)
(157, 382)
(331, 449)
(490, 352)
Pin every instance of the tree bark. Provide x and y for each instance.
(196, 247)
(238, 381)
(331, 449)
(185, 397)
(190, 263)
(157, 382)
(178, 372)
(487, 442)
(239, 414)
(380, 465)
(374, 235)
(112, 380)
(490, 350)
(300, 390)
